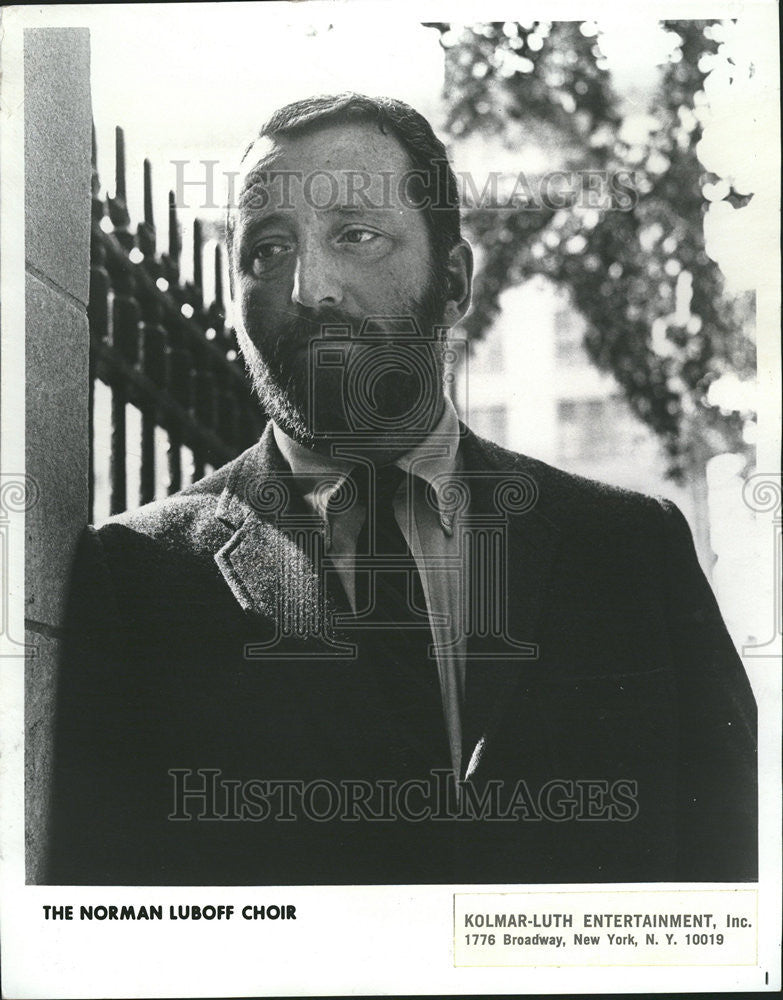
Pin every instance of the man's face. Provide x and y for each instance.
(324, 235)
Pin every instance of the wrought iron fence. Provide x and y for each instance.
(169, 399)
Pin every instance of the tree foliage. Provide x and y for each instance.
(656, 310)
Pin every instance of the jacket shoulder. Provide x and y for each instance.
(187, 518)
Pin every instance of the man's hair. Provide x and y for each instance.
(436, 189)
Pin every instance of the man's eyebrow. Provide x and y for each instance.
(265, 215)
(261, 219)
(352, 209)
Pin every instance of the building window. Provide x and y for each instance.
(595, 429)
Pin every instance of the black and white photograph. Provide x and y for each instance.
(390, 499)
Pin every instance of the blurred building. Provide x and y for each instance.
(530, 386)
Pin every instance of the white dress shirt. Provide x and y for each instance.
(428, 532)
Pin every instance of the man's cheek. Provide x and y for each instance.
(380, 295)
(258, 309)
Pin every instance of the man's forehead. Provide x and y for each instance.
(355, 159)
(331, 145)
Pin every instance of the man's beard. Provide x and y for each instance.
(364, 378)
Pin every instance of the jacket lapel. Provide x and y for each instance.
(504, 504)
(274, 560)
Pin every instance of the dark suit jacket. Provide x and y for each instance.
(176, 662)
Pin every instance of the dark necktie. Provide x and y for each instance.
(394, 637)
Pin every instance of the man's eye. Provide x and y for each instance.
(268, 255)
(356, 236)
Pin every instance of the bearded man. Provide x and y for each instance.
(376, 648)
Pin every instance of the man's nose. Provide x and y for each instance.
(316, 280)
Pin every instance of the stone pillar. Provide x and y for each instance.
(57, 136)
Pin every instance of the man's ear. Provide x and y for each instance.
(459, 275)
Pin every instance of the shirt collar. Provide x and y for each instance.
(434, 460)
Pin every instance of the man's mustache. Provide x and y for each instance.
(305, 324)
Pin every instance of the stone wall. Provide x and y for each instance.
(58, 120)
